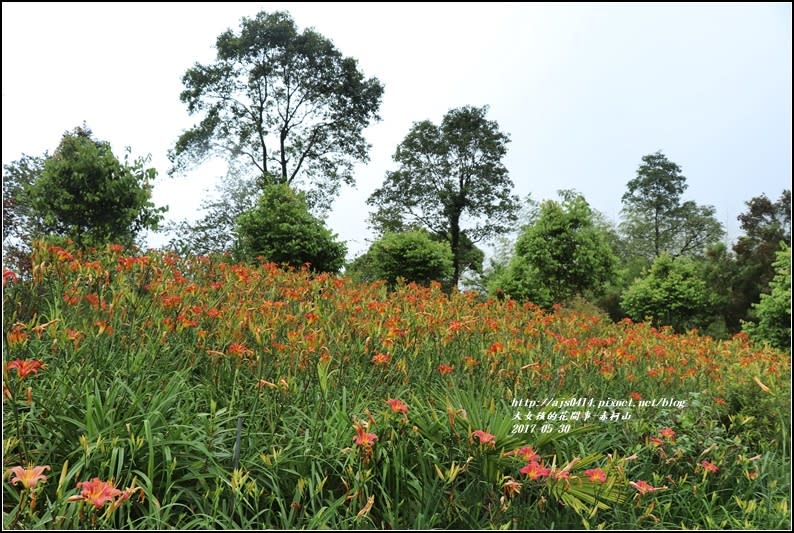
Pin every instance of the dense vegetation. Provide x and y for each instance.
(619, 375)
(218, 395)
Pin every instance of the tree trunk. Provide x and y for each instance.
(454, 234)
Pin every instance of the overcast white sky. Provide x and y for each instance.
(584, 91)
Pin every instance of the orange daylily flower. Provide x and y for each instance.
(644, 487)
(29, 477)
(25, 367)
(397, 406)
(381, 359)
(238, 349)
(363, 438)
(667, 433)
(17, 335)
(535, 470)
(96, 492)
(445, 369)
(8, 275)
(485, 437)
(708, 466)
(527, 453)
(596, 475)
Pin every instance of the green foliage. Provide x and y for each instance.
(719, 269)
(411, 255)
(563, 253)
(774, 309)
(19, 220)
(85, 193)
(672, 293)
(223, 396)
(286, 104)
(655, 220)
(216, 231)
(281, 229)
(449, 174)
(765, 224)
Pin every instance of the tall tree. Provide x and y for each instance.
(450, 181)
(287, 103)
(85, 193)
(655, 220)
(765, 224)
(20, 222)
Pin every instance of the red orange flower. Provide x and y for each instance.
(238, 349)
(96, 492)
(397, 406)
(25, 367)
(667, 433)
(363, 438)
(485, 437)
(381, 359)
(527, 453)
(29, 477)
(445, 369)
(708, 466)
(644, 487)
(17, 335)
(535, 470)
(103, 327)
(8, 275)
(596, 475)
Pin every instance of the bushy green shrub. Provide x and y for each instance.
(672, 293)
(281, 229)
(411, 255)
(85, 193)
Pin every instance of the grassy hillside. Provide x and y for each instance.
(203, 394)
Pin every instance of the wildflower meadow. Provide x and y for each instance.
(155, 391)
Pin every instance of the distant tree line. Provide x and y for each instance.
(287, 111)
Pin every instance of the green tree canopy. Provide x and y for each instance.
(85, 193)
(286, 104)
(281, 229)
(654, 218)
(765, 224)
(411, 255)
(451, 182)
(773, 312)
(561, 254)
(20, 222)
(672, 293)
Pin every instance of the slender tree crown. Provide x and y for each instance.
(287, 103)
(450, 181)
(654, 218)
